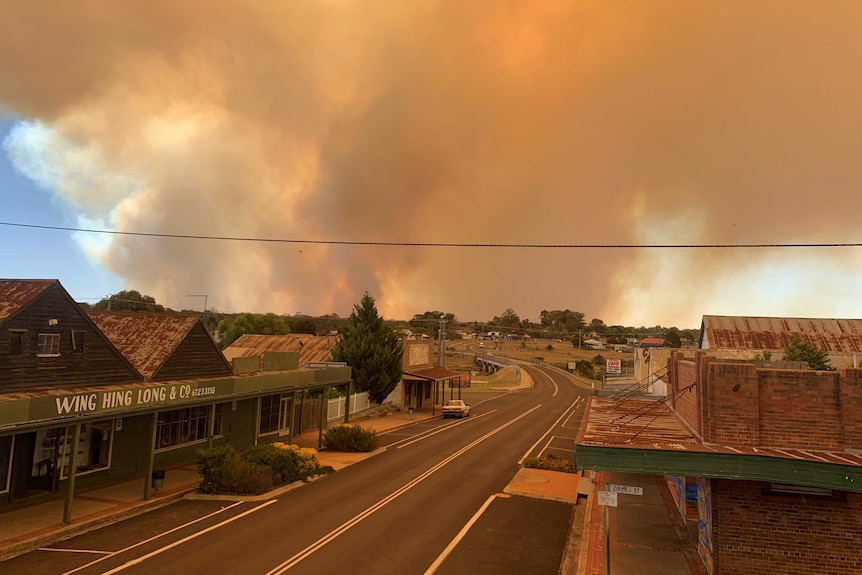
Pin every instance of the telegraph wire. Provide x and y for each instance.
(435, 244)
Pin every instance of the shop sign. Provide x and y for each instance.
(122, 399)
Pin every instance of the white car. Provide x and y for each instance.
(456, 408)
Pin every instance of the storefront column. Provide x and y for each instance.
(291, 418)
(256, 419)
(70, 483)
(347, 402)
(211, 430)
(323, 415)
(148, 476)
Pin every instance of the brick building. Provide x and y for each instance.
(771, 460)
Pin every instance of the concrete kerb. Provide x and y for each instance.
(87, 525)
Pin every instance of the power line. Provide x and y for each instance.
(435, 244)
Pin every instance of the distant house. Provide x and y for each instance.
(651, 342)
(594, 344)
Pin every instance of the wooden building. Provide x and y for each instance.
(88, 399)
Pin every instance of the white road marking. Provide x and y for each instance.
(442, 429)
(178, 542)
(332, 535)
(153, 538)
(532, 447)
(56, 550)
(454, 543)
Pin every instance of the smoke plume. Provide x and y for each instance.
(552, 122)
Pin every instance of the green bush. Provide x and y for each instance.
(350, 438)
(256, 470)
(551, 463)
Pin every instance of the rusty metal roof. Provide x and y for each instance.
(311, 348)
(774, 333)
(640, 424)
(15, 294)
(435, 373)
(145, 339)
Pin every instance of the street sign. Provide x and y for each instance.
(625, 489)
(607, 498)
(614, 366)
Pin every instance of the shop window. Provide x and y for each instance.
(49, 345)
(218, 419)
(7, 442)
(16, 342)
(274, 413)
(182, 427)
(54, 448)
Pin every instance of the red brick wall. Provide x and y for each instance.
(757, 533)
(686, 403)
(851, 407)
(800, 409)
(733, 416)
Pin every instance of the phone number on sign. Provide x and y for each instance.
(202, 391)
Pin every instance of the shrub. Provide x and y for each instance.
(350, 438)
(551, 463)
(256, 470)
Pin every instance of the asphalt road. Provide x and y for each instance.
(433, 502)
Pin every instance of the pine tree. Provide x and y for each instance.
(372, 349)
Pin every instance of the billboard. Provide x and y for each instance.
(613, 366)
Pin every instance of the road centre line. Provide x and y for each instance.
(454, 543)
(332, 535)
(429, 433)
(178, 542)
(153, 538)
(532, 447)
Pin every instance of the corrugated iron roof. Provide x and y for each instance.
(15, 294)
(145, 339)
(311, 348)
(774, 333)
(435, 373)
(641, 424)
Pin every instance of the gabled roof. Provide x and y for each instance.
(145, 339)
(311, 348)
(651, 341)
(16, 294)
(774, 333)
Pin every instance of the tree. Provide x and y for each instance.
(508, 319)
(302, 324)
(129, 300)
(372, 349)
(671, 338)
(257, 323)
(798, 350)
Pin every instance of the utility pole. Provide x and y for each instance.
(442, 350)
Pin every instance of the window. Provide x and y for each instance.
(181, 426)
(274, 413)
(16, 342)
(218, 419)
(54, 447)
(78, 340)
(49, 345)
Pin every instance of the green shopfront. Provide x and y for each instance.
(114, 433)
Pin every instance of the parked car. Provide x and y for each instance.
(456, 408)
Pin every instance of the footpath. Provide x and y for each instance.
(646, 536)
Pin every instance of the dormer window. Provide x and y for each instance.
(49, 345)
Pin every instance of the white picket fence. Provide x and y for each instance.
(359, 402)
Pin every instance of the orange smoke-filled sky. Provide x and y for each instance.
(483, 122)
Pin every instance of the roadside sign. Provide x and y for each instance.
(607, 498)
(629, 490)
(613, 366)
